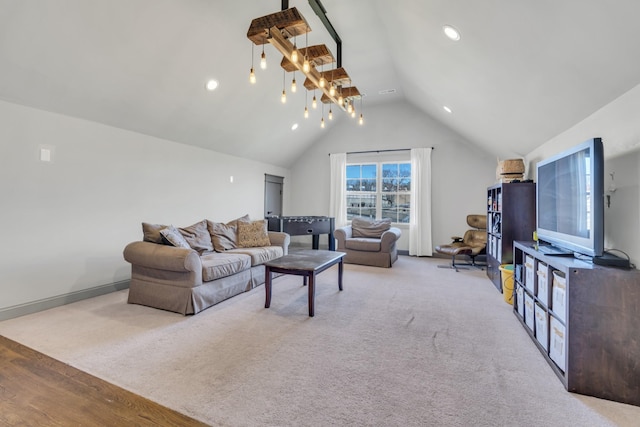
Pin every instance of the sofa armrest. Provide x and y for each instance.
(342, 234)
(388, 239)
(278, 238)
(162, 257)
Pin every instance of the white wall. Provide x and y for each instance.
(461, 172)
(618, 125)
(65, 223)
(622, 217)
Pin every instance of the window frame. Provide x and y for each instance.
(379, 192)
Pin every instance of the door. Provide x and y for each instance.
(273, 195)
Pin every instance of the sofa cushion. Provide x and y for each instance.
(253, 234)
(197, 236)
(225, 236)
(363, 244)
(173, 236)
(260, 255)
(217, 265)
(151, 232)
(368, 228)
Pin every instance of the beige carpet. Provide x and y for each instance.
(414, 345)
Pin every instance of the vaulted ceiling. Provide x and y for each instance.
(523, 71)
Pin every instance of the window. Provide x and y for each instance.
(379, 190)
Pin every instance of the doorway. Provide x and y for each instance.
(273, 195)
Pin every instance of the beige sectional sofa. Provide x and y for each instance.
(187, 270)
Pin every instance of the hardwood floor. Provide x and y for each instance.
(37, 390)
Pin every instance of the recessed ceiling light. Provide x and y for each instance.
(212, 84)
(294, 126)
(447, 109)
(451, 32)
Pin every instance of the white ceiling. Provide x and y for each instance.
(523, 72)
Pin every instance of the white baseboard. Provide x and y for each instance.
(47, 303)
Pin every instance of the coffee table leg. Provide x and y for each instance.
(312, 292)
(267, 287)
(340, 265)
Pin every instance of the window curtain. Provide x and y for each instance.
(420, 226)
(338, 202)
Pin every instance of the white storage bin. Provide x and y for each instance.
(557, 342)
(529, 309)
(542, 291)
(530, 276)
(520, 300)
(542, 326)
(559, 296)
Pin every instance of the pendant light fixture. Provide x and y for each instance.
(332, 88)
(306, 66)
(252, 74)
(361, 120)
(306, 110)
(294, 86)
(294, 52)
(283, 98)
(323, 81)
(280, 30)
(263, 60)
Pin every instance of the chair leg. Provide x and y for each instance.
(476, 265)
(454, 265)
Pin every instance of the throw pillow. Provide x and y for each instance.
(197, 236)
(151, 232)
(253, 234)
(225, 236)
(362, 227)
(173, 236)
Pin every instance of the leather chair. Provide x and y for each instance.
(472, 244)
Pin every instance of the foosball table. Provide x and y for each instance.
(305, 225)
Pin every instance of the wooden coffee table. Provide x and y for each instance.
(306, 263)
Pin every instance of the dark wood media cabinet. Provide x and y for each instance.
(584, 319)
(511, 215)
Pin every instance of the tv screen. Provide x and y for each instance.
(570, 199)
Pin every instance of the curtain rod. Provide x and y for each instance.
(380, 151)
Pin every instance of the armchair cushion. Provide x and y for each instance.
(363, 244)
(369, 228)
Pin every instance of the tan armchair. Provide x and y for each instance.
(368, 242)
(472, 244)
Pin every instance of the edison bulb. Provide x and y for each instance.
(263, 61)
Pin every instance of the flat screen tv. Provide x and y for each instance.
(570, 200)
